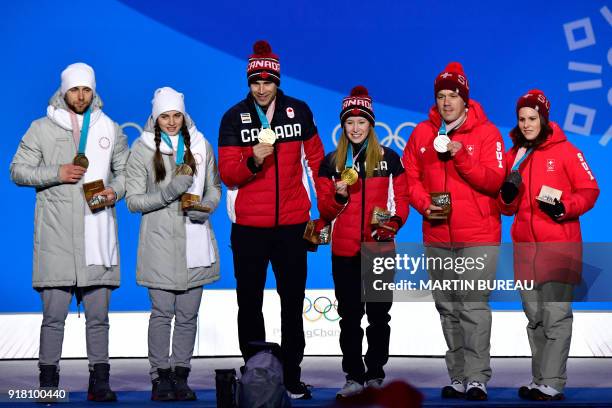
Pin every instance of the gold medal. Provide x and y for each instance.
(267, 135)
(184, 170)
(349, 176)
(81, 160)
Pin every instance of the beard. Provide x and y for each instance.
(77, 109)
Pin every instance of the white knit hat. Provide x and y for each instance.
(167, 99)
(78, 74)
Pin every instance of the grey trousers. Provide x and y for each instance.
(465, 314)
(183, 306)
(549, 313)
(56, 302)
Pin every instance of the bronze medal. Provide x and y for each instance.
(184, 170)
(349, 176)
(81, 160)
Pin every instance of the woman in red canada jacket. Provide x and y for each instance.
(549, 187)
(359, 176)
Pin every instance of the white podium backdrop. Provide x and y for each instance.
(415, 330)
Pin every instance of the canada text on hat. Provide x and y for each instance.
(534, 99)
(77, 74)
(263, 64)
(453, 78)
(358, 103)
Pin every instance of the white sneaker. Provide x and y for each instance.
(455, 390)
(374, 383)
(350, 388)
(545, 393)
(523, 391)
(548, 390)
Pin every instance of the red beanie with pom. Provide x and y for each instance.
(358, 103)
(453, 78)
(263, 64)
(534, 99)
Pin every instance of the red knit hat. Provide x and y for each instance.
(263, 64)
(358, 103)
(454, 79)
(534, 99)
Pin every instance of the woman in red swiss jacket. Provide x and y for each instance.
(359, 176)
(549, 186)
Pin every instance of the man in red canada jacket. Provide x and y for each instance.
(266, 144)
(458, 151)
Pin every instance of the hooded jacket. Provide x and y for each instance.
(59, 242)
(557, 255)
(386, 189)
(278, 193)
(162, 261)
(472, 177)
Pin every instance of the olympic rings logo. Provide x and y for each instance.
(132, 125)
(390, 135)
(321, 307)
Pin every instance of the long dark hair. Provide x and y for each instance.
(158, 161)
(520, 141)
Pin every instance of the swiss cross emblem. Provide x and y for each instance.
(550, 165)
(470, 149)
(423, 150)
(446, 75)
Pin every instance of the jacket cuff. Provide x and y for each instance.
(252, 166)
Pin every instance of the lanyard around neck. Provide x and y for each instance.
(84, 131)
(180, 151)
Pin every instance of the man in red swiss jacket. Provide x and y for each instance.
(459, 152)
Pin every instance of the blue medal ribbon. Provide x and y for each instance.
(349, 155)
(180, 150)
(262, 118)
(518, 163)
(84, 131)
(442, 130)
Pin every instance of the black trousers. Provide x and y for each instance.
(253, 248)
(351, 308)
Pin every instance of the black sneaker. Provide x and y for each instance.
(299, 391)
(476, 391)
(455, 390)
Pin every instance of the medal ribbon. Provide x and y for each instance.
(518, 160)
(265, 124)
(84, 131)
(349, 155)
(442, 130)
(445, 128)
(180, 150)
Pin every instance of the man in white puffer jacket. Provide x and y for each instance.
(76, 252)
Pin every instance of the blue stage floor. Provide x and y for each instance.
(589, 382)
